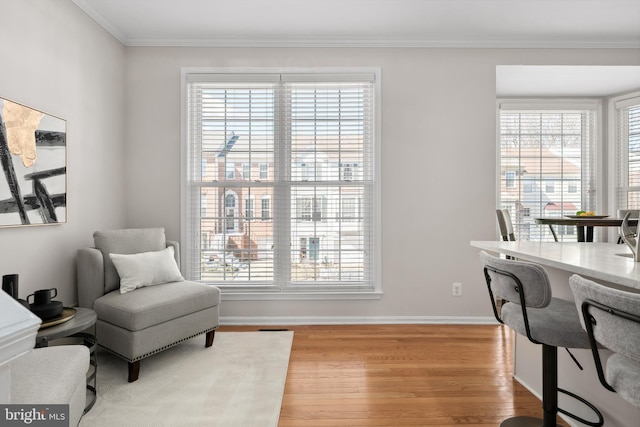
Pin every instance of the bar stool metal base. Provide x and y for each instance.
(522, 422)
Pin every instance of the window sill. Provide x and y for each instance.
(229, 295)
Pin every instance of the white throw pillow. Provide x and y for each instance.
(146, 269)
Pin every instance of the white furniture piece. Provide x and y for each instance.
(18, 329)
(52, 375)
(45, 376)
(78, 328)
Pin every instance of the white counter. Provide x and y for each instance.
(600, 261)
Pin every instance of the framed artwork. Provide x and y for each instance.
(33, 158)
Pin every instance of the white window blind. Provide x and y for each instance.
(280, 139)
(628, 153)
(547, 165)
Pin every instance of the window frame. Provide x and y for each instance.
(374, 291)
(594, 106)
(616, 158)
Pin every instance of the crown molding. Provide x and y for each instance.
(101, 20)
(427, 41)
(384, 42)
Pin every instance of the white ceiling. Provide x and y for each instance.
(430, 23)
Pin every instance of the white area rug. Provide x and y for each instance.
(239, 382)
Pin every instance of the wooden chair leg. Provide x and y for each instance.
(210, 336)
(134, 371)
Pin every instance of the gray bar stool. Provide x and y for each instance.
(611, 318)
(531, 311)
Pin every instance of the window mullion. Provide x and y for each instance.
(282, 188)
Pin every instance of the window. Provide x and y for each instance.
(350, 209)
(311, 208)
(348, 171)
(231, 170)
(510, 179)
(248, 208)
(230, 212)
(313, 138)
(266, 208)
(627, 151)
(264, 170)
(203, 205)
(547, 153)
(550, 187)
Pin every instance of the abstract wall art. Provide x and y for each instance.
(33, 158)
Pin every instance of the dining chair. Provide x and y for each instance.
(635, 213)
(505, 224)
(611, 318)
(531, 311)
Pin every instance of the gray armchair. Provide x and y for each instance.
(149, 319)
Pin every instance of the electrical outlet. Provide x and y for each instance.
(456, 289)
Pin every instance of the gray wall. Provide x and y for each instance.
(122, 107)
(55, 59)
(438, 164)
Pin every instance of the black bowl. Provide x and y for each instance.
(47, 311)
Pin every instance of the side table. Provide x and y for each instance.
(76, 328)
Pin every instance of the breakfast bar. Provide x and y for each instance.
(609, 264)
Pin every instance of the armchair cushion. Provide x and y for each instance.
(126, 241)
(146, 269)
(135, 311)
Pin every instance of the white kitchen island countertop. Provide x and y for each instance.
(600, 261)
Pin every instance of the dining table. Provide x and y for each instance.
(583, 224)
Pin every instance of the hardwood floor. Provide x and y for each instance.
(401, 375)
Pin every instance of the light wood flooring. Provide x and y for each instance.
(401, 375)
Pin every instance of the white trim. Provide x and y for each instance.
(276, 295)
(592, 104)
(546, 104)
(377, 173)
(185, 71)
(183, 161)
(357, 320)
(102, 21)
(372, 292)
(614, 103)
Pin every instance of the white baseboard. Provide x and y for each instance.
(356, 320)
